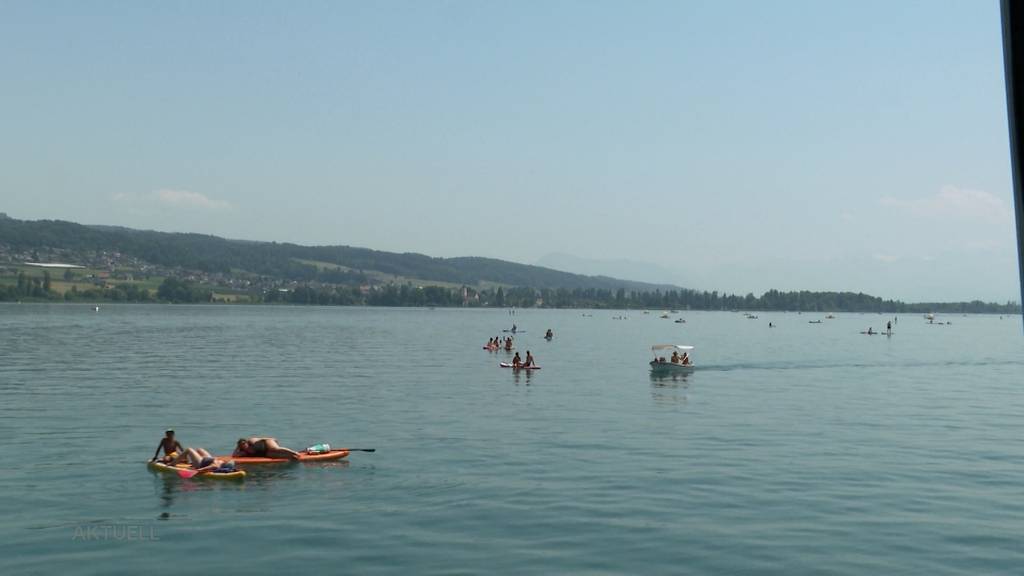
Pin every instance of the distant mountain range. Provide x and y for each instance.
(213, 254)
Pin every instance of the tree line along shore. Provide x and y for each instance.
(69, 286)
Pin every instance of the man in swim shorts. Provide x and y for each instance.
(169, 445)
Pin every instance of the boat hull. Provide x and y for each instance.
(670, 367)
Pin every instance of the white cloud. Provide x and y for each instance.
(188, 199)
(955, 203)
(165, 198)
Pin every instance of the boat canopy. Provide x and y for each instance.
(680, 347)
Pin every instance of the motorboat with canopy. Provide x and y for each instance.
(682, 352)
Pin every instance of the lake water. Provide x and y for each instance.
(799, 449)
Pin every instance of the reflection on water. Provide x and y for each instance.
(171, 487)
(519, 374)
(670, 387)
(269, 481)
(663, 378)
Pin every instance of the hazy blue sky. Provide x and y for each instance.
(740, 145)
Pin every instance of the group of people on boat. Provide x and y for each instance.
(497, 343)
(202, 461)
(518, 362)
(683, 359)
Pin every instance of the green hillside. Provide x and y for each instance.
(212, 254)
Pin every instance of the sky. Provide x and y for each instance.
(735, 146)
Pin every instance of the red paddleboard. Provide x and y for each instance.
(303, 457)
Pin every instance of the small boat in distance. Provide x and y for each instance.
(680, 351)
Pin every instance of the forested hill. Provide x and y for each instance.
(212, 254)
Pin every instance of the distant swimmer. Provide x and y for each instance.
(549, 334)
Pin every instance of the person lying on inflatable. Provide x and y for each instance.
(201, 461)
(265, 447)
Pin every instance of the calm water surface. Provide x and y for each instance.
(799, 449)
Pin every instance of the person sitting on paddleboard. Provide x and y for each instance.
(170, 446)
(264, 447)
(529, 360)
(516, 361)
(199, 459)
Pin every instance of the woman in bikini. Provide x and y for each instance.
(265, 447)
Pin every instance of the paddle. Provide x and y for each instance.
(359, 449)
(186, 473)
